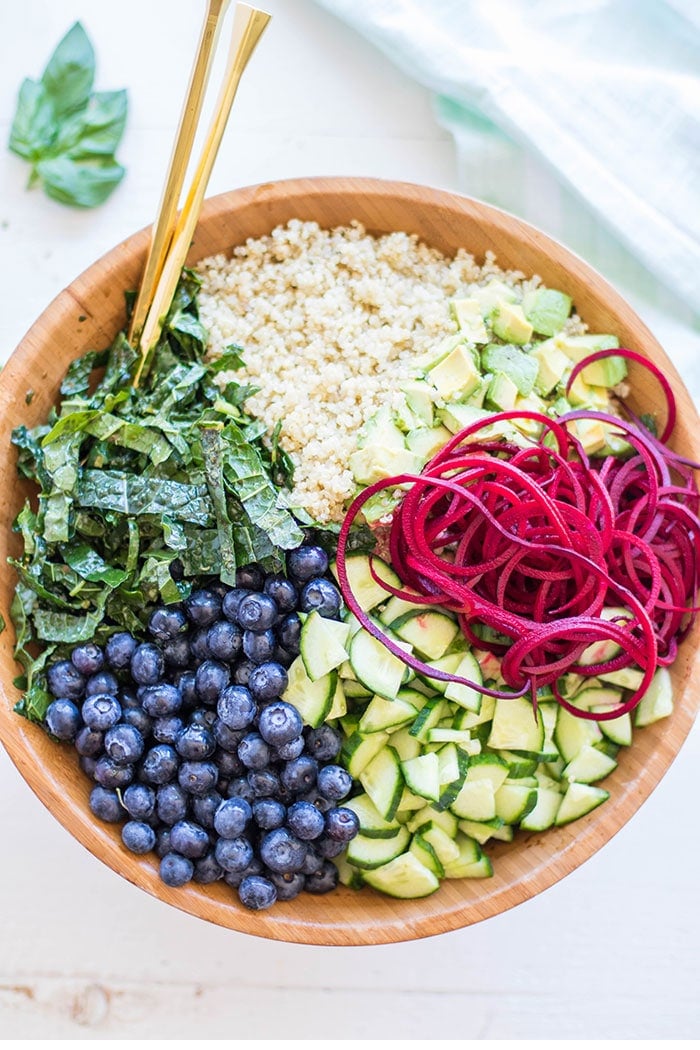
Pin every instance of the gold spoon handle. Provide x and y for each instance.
(249, 25)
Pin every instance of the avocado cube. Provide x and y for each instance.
(426, 441)
(520, 367)
(530, 427)
(455, 374)
(547, 310)
(509, 323)
(419, 398)
(376, 462)
(467, 314)
(380, 429)
(592, 435)
(487, 295)
(456, 416)
(609, 371)
(552, 365)
(502, 392)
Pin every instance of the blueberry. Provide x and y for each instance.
(197, 778)
(282, 657)
(224, 640)
(207, 869)
(101, 711)
(105, 805)
(242, 671)
(313, 862)
(203, 607)
(322, 596)
(299, 774)
(324, 742)
(159, 764)
(137, 717)
(289, 633)
(111, 775)
(232, 817)
(185, 683)
(171, 804)
(282, 591)
(101, 682)
(203, 716)
(231, 602)
(257, 612)
(240, 788)
(341, 823)
(199, 645)
(282, 851)
(235, 878)
(176, 870)
(211, 679)
(228, 739)
(251, 577)
(264, 782)
(269, 813)
(259, 646)
(257, 892)
(147, 664)
(139, 801)
(87, 763)
(233, 854)
(138, 837)
(161, 699)
(119, 648)
(253, 752)
(236, 707)
(124, 744)
(166, 622)
(328, 847)
(189, 839)
(323, 881)
(267, 681)
(162, 841)
(288, 884)
(204, 807)
(88, 741)
(293, 749)
(88, 658)
(65, 681)
(167, 728)
(279, 723)
(228, 762)
(306, 562)
(177, 652)
(195, 742)
(322, 804)
(63, 719)
(305, 820)
(334, 782)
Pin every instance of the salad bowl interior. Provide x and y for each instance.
(90, 312)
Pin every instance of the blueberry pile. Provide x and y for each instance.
(191, 747)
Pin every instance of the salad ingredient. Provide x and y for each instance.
(335, 319)
(68, 132)
(226, 784)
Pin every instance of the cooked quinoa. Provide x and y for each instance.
(330, 321)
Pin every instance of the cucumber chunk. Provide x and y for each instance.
(429, 633)
(589, 765)
(383, 780)
(367, 853)
(544, 812)
(404, 877)
(657, 702)
(422, 775)
(579, 800)
(358, 751)
(464, 695)
(374, 666)
(424, 852)
(367, 591)
(381, 714)
(322, 644)
(372, 823)
(312, 698)
(513, 802)
(516, 727)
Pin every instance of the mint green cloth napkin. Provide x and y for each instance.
(581, 116)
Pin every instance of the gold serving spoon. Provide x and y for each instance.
(173, 234)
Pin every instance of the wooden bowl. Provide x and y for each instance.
(90, 312)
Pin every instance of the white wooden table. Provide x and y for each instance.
(609, 953)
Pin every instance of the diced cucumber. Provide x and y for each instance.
(367, 591)
(604, 650)
(516, 727)
(374, 666)
(348, 875)
(514, 802)
(488, 767)
(444, 845)
(312, 699)
(339, 704)
(404, 877)
(429, 633)
(447, 735)
(476, 800)
(422, 775)
(406, 745)
(382, 714)
(358, 751)
(383, 780)
(626, 678)
(453, 763)
(579, 800)
(464, 695)
(396, 608)
(368, 853)
(424, 852)
(572, 733)
(408, 803)
(322, 644)
(372, 823)
(428, 718)
(441, 818)
(504, 834)
(520, 766)
(618, 730)
(353, 688)
(469, 853)
(482, 830)
(544, 812)
(464, 719)
(447, 663)
(589, 765)
(657, 702)
(480, 869)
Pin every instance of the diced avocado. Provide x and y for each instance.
(381, 505)
(592, 434)
(487, 295)
(374, 462)
(380, 429)
(509, 323)
(456, 416)
(552, 365)
(521, 368)
(609, 371)
(419, 398)
(502, 392)
(429, 360)
(583, 393)
(477, 397)
(467, 315)
(456, 374)
(547, 310)
(532, 403)
(426, 441)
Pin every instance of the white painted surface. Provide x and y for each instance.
(609, 953)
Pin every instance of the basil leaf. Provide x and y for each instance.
(83, 183)
(97, 130)
(34, 127)
(70, 72)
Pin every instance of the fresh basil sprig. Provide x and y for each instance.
(68, 132)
